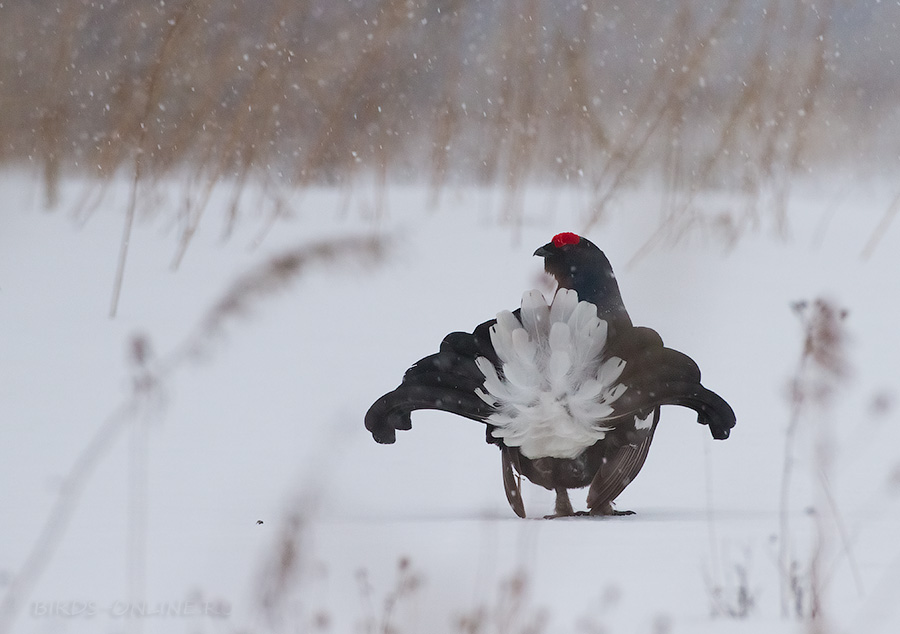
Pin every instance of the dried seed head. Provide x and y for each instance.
(139, 350)
(824, 358)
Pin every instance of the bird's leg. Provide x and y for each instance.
(563, 505)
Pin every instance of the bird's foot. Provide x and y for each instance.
(608, 510)
(570, 514)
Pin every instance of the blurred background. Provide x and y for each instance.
(736, 95)
(200, 444)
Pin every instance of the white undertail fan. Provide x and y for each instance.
(556, 385)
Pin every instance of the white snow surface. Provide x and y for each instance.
(267, 423)
(557, 385)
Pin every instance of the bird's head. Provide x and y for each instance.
(578, 264)
(569, 258)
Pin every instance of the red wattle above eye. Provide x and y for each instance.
(561, 239)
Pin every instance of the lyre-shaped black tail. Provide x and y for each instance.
(446, 381)
(656, 375)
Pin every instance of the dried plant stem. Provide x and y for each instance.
(54, 528)
(882, 227)
(153, 83)
(247, 291)
(138, 497)
(124, 244)
(844, 535)
(785, 558)
(821, 367)
(602, 94)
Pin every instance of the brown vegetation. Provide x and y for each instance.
(735, 93)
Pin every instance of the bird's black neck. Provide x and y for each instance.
(605, 295)
(597, 285)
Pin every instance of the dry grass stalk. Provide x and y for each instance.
(151, 375)
(733, 597)
(509, 614)
(407, 584)
(285, 570)
(599, 93)
(821, 369)
(882, 228)
(246, 292)
(384, 620)
(143, 151)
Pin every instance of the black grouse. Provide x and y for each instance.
(570, 391)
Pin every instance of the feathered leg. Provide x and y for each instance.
(563, 506)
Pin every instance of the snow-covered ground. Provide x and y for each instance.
(266, 424)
